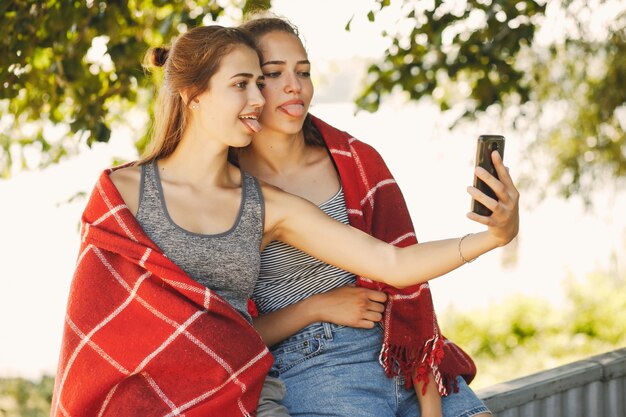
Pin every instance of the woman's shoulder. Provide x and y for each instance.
(271, 193)
(278, 202)
(125, 176)
(127, 180)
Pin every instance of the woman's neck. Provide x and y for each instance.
(200, 161)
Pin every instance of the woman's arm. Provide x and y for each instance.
(301, 224)
(349, 306)
(430, 401)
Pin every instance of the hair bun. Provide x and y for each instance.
(159, 56)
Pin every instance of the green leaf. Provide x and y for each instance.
(102, 132)
(347, 27)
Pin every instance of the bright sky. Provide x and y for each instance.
(39, 234)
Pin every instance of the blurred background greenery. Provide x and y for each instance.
(523, 335)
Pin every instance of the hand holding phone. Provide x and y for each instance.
(485, 146)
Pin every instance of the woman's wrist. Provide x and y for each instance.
(472, 245)
(488, 240)
(460, 249)
(312, 308)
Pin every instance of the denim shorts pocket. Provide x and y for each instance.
(289, 354)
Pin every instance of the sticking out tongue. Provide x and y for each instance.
(252, 124)
(295, 110)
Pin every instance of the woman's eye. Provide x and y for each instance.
(241, 84)
(274, 74)
(261, 86)
(304, 74)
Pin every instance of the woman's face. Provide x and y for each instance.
(288, 88)
(229, 109)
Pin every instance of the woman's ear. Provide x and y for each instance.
(184, 95)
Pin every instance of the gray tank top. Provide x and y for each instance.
(227, 262)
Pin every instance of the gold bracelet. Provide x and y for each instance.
(461, 253)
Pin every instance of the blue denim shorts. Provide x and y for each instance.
(332, 370)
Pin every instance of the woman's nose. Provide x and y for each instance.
(256, 99)
(293, 84)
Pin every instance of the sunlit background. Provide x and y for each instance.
(561, 241)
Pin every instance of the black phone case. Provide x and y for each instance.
(485, 146)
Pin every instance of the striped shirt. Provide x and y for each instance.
(289, 275)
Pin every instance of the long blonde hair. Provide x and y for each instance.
(188, 64)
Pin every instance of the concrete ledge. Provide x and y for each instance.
(521, 391)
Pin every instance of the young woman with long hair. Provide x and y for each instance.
(329, 338)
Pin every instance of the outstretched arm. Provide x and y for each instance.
(349, 306)
(301, 224)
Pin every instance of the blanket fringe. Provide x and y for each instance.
(405, 361)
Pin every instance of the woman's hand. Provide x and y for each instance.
(503, 223)
(350, 306)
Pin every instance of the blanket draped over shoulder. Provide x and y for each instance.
(412, 339)
(141, 338)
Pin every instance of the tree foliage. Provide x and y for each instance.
(76, 65)
(581, 85)
(570, 94)
(475, 44)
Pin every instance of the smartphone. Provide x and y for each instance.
(485, 146)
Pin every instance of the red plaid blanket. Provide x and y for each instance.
(142, 338)
(412, 339)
